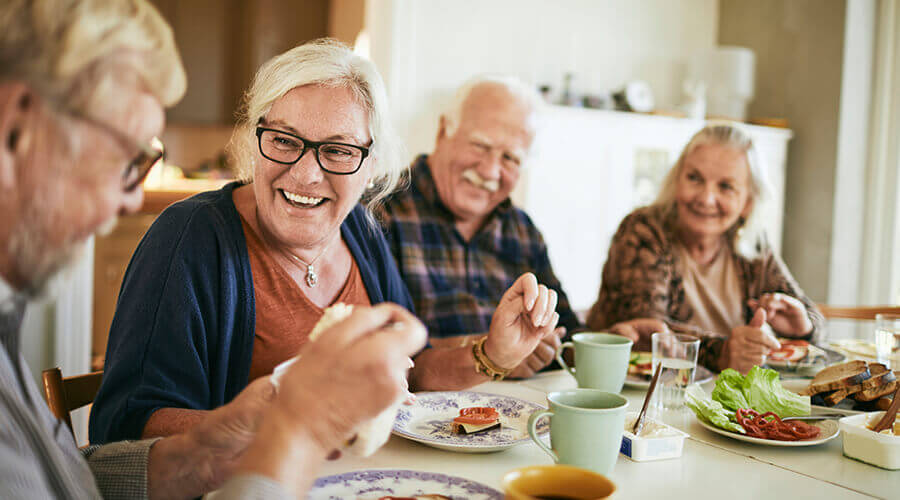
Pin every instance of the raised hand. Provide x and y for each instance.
(748, 345)
(525, 315)
(786, 314)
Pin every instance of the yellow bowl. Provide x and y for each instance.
(556, 481)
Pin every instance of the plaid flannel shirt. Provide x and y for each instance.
(455, 284)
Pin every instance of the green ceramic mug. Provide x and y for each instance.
(586, 427)
(601, 360)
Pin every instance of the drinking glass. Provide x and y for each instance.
(678, 355)
(887, 336)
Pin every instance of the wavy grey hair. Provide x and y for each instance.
(329, 63)
(75, 52)
(747, 235)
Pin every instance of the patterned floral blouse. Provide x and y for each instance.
(641, 279)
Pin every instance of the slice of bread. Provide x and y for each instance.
(839, 376)
(880, 374)
(876, 392)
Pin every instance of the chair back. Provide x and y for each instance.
(856, 313)
(64, 395)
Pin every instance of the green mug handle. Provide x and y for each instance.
(532, 431)
(559, 357)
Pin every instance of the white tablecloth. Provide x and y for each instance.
(711, 466)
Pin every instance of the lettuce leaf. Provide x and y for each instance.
(709, 410)
(764, 393)
(730, 390)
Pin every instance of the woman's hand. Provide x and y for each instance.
(785, 314)
(748, 345)
(639, 331)
(526, 315)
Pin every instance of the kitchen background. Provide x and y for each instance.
(826, 71)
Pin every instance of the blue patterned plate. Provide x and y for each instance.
(373, 484)
(428, 421)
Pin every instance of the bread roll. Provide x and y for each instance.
(371, 435)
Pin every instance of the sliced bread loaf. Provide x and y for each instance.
(876, 392)
(839, 376)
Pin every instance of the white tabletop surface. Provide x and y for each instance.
(711, 466)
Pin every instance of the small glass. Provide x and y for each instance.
(678, 355)
(887, 337)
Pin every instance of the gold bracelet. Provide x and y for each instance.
(484, 364)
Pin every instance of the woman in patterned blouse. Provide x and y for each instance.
(697, 258)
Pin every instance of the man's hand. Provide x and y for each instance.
(786, 314)
(639, 331)
(526, 314)
(349, 375)
(200, 460)
(541, 356)
(748, 345)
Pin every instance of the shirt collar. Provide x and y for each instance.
(7, 296)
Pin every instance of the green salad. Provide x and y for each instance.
(760, 390)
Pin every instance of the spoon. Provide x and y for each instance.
(639, 423)
(823, 416)
(887, 421)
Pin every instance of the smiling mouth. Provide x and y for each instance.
(298, 200)
(703, 215)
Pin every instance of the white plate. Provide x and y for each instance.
(701, 376)
(830, 430)
(428, 421)
(374, 484)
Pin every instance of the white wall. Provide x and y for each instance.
(426, 48)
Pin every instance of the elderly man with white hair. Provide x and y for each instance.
(458, 239)
(83, 84)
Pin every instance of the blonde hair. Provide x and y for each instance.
(747, 236)
(75, 52)
(329, 63)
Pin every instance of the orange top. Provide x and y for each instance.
(284, 316)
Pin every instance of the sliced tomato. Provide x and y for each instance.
(789, 352)
(477, 415)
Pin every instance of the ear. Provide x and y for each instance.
(17, 102)
(748, 207)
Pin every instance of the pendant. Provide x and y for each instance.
(312, 279)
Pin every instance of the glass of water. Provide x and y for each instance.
(887, 336)
(678, 355)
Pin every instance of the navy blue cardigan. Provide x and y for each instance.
(182, 335)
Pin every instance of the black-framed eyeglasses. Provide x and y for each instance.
(334, 157)
(149, 155)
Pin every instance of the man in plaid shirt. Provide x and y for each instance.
(458, 240)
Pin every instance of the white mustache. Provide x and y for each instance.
(488, 185)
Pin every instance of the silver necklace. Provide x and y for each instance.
(312, 279)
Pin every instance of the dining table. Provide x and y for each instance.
(711, 465)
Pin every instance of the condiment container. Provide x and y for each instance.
(644, 448)
(866, 445)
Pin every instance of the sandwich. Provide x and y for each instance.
(475, 419)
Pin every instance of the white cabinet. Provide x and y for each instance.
(590, 168)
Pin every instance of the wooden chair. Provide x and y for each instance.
(856, 313)
(66, 394)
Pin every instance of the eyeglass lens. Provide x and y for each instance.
(287, 149)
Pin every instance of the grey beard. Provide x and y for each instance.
(41, 267)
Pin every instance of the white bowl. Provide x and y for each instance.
(641, 449)
(882, 450)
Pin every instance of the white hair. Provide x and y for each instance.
(329, 63)
(74, 52)
(747, 235)
(514, 86)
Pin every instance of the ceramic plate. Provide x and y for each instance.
(428, 421)
(374, 484)
(845, 407)
(805, 366)
(830, 430)
(701, 376)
